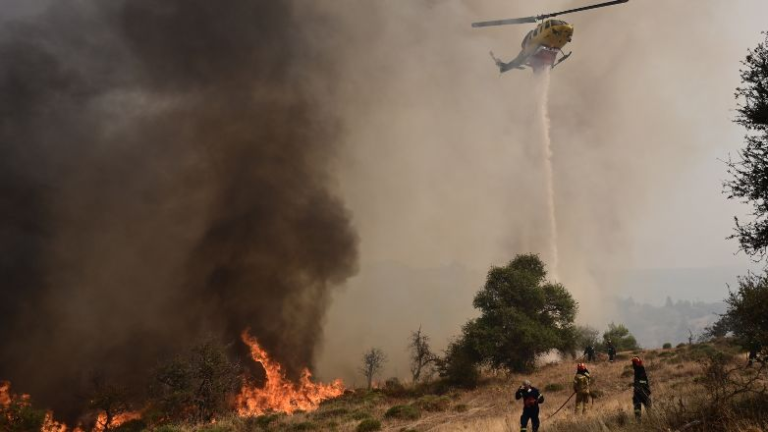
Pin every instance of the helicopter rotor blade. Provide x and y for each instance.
(581, 9)
(534, 19)
(505, 22)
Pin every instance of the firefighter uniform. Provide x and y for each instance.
(641, 396)
(581, 383)
(531, 400)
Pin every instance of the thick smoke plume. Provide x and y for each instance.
(164, 174)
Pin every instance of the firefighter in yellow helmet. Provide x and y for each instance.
(581, 383)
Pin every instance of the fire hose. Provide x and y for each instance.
(561, 407)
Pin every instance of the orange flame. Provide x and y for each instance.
(51, 425)
(117, 420)
(5, 393)
(279, 394)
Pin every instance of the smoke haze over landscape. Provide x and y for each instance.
(171, 169)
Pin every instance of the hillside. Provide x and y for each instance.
(675, 375)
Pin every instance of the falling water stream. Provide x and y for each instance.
(542, 93)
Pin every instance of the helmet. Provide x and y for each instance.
(527, 383)
(636, 361)
(581, 367)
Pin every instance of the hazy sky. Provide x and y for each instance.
(441, 164)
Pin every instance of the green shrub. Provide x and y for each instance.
(216, 428)
(373, 397)
(459, 365)
(261, 422)
(434, 403)
(667, 345)
(554, 387)
(681, 345)
(403, 412)
(330, 413)
(168, 428)
(461, 408)
(368, 425)
(20, 417)
(360, 415)
(304, 426)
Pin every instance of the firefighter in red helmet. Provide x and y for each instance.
(641, 395)
(581, 384)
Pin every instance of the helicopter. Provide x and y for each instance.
(542, 45)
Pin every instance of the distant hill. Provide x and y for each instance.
(655, 325)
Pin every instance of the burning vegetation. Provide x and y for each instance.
(278, 393)
(168, 175)
(201, 388)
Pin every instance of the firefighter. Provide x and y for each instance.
(531, 400)
(581, 383)
(754, 348)
(642, 388)
(589, 353)
(611, 352)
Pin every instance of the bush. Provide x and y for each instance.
(554, 387)
(304, 426)
(403, 412)
(18, 416)
(368, 425)
(330, 413)
(195, 386)
(131, 426)
(667, 345)
(216, 428)
(262, 421)
(459, 365)
(360, 415)
(681, 345)
(434, 403)
(461, 408)
(168, 428)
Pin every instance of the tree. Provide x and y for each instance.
(522, 315)
(746, 316)
(621, 338)
(586, 336)
(750, 172)
(373, 363)
(195, 386)
(107, 399)
(421, 354)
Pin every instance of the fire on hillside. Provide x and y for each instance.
(278, 393)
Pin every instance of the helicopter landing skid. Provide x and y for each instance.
(562, 59)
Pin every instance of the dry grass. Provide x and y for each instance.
(677, 397)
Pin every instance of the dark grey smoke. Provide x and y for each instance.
(164, 174)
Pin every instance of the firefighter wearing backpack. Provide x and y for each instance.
(531, 400)
(581, 383)
(641, 395)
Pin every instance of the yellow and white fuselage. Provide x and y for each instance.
(542, 44)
